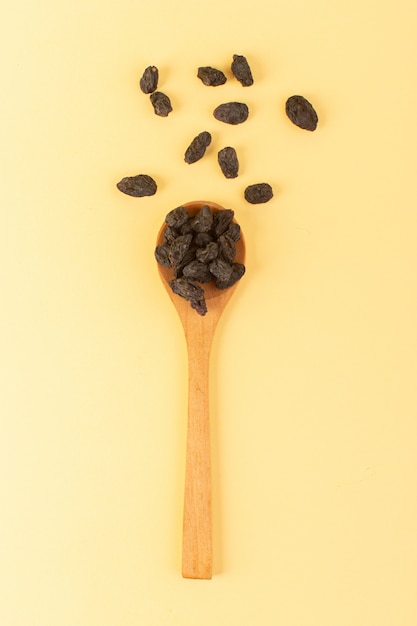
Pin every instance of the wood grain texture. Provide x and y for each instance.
(197, 558)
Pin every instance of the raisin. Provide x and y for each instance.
(232, 112)
(211, 77)
(228, 162)
(190, 291)
(241, 70)
(177, 217)
(222, 220)
(238, 269)
(227, 248)
(202, 239)
(178, 248)
(301, 112)
(149, 81)
(258, 193)
(161, 103)
(137, 186)
(203, 220)
(162, 255)
(233, 231)
(197, 270)
(197, 147)
(221, 269)
(208, 253)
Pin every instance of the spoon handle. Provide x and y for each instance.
(197, 534)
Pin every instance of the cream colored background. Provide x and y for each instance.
(315, 361)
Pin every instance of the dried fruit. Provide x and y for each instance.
(301, 112)
(211, 77)
(149, 81)
(137, 186)
(161, 103)
(241, 70)
(197, 147)
(228, 162)
(232, 112)
(258, 193)
(201, 249)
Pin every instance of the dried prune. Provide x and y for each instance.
(197, 147)
(301, 112)
(232, 112)
(161, 103)
(228, 162)
(137, 186)
(149, 81)
(210, 76)
(190, 291)
(258, 193)
(241, 70)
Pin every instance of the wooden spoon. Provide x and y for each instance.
(199, 332)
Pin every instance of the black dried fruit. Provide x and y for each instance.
(161, 103)
(228, 162)
(149, 81)
(232, 112)
(137, 186)
(177, 217)
(197, 147)
(238, 269)
(203, 220)
(259, 193)
(301, 112)
(191, 292)
(200, 248)
(178, 249)
(162, 255)
(241, 70)
(211, 76)
(222, 220)
(209, 253)
(197, 270)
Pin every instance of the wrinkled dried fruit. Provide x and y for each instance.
(259, 193)
(211, 77)
(241, 70)
(232, 112)
(201, 249)
(197, 147)
(149, 81)
(301, 112)
(228, 162)
(137, 186)
(191, 292)
(161, 103)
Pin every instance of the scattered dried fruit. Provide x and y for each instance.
(211, 77)
(137, 186)
(228, 162)
(232, 112)
(241, 70)
(258, 193)
(149, 81)
(205, 253)
(161, 103)
(197, 147)
(301, 112)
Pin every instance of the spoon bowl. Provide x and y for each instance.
(199, 331)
